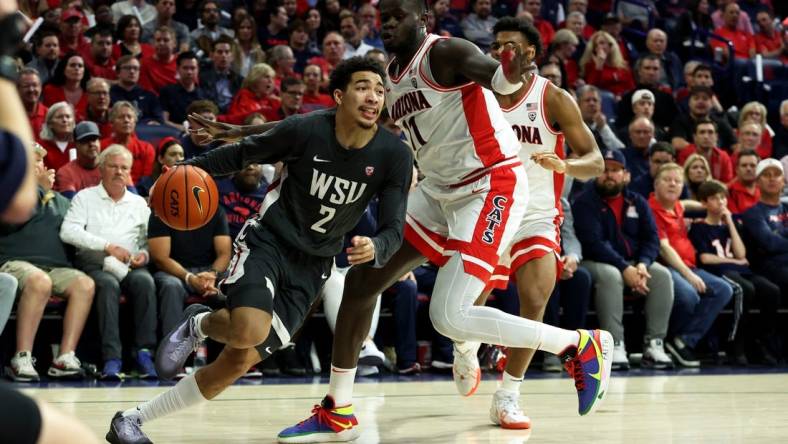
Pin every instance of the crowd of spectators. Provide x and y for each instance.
(687, 101)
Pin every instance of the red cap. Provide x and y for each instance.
(70, 14)
(165, 143)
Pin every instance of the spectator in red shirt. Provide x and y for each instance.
(124, 119)
(743, 23)
(97, 110)
(563, 48)
(604, 67)
(29, 86)
(576, 22)
(692, 315)
(743, 42)
(281, 59)
(292, 98)
(72, 37)
(756, 112)
(696, 171)
(255, 96)
(160, 69)
(742, 192)
(98, 60)
(333, 53)
(705, 138)
(750, 135)
(55, 136)
(545, 28)
(128, 34)
(768, 41)
(68, 83)
(83, 171)
(313, 98)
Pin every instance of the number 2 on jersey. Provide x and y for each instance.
(329, 214)
(413, 133)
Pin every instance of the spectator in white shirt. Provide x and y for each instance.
(109, 225)
(147, 12)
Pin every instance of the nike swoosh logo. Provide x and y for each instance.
(324, 276)
(196, 191)
(344, 426)
(268, 350)
(317, 159)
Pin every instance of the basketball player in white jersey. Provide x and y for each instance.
(542, 116)
(462, 216)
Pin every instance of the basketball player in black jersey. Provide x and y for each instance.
(335, 161)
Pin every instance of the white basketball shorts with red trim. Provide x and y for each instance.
(477, 219)
(537, 236)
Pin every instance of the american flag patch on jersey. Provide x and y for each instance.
(533, 106)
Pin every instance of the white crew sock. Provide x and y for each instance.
(511, 383)
(198, 322)
(184, 394)
(340, 385)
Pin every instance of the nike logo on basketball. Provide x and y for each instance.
(196, 191)
(344, 426)
(317, 159)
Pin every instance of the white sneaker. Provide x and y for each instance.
(23, 367)
(505, 411)
(654, 355)
(65, 365)
(465, 370)
(367, 370)
(370, 355)
(620, 360)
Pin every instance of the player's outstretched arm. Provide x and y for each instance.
(210, 131)
(563, 110)
(456, 61)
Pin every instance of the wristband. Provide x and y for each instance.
(501, 84)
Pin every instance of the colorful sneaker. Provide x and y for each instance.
(328, 423)
(589, 363)
(23, 368)
(126, 430)
(505, 411)
(65, 366)
(179, 344)
(145, 366)
(466, 371)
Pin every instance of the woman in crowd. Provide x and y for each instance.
(247, 51)
(562, 49)
(255, 96)
(604, 67)
(57, 135)
(756, 112)
(68, 84)
(169, 153)
(128, 34)
(314, 27)
(696, 171)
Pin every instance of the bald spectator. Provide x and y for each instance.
(743, 192)
(160, 69)
(176, 98)
(81, 172)
(657, 44)
(333, 52)
(313, 97)
(590, 104)
(275, 33)
(218, 80)
(29, 86)
(165, 9)
(350, 27)
(124, 119)
(97, 110)
(478, 25)
(127, 89)
(126, 7)
(47, 54)
(99, 61)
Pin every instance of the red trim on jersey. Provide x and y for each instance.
(543, 103)
(502, 274)
(479, 125)
(432, 84)
(477, 174)
(402, 72)
(558, 179)
(522, 99)
(413, 235)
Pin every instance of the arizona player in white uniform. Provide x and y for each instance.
(542, 116)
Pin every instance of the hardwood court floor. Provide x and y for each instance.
(658, 409)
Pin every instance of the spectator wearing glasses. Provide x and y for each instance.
(28, 85)
(293, 90)
(127, 89)
(98, 106)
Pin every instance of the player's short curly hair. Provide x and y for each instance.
(526, 29)
(340, 77)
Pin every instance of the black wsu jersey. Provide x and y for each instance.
(324, 188)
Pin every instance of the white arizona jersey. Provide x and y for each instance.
(456, 133)
(528, 118)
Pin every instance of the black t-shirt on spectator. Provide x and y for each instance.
(146, 102)
(716, 240)
(191, 248)
(175, 99)
(683, 127)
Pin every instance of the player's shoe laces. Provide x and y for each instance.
(505, 411)
(465, 370)
(328, 423)
(178, 344)
(126, 430)
(589, 363)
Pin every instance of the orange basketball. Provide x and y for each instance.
(185, 198)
